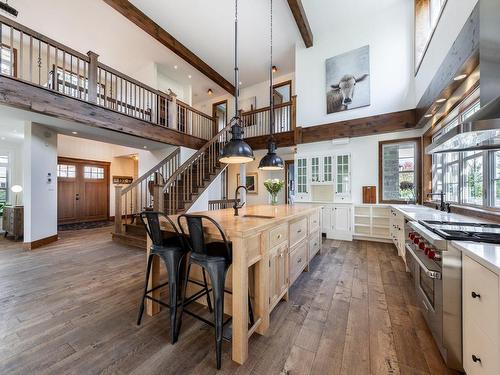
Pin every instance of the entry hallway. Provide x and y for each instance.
(72, 306)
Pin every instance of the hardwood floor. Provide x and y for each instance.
(71, 308)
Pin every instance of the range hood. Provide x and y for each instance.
(481, 131)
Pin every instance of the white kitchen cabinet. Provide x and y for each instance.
(323, 177)
(397, 231)
(327, 218)
(481, 318)
(372, 221)
(341, 222)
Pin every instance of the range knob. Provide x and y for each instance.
(427, 250)
(411, 236)
(421, 245)
(432, 254)
(416, 240)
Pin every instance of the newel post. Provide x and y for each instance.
(118, 209)
(158, 196)
(92, 84)
(173, 112)
(294, 112)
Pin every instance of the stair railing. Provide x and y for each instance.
(190, 177)
(138, 196)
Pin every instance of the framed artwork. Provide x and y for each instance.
(252, 182)
(348, 80)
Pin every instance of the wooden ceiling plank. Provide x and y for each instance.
(136, 16)
(302, 23)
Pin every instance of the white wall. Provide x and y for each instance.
(259, 90)
(40, 194)
(15, 151)
(364, 157)
(387, 27)
(454, 16)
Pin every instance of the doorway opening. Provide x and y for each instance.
(289, 181)
(282, 92)
(219, 110)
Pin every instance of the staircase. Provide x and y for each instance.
(167, 187)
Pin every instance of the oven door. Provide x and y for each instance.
(429, 288)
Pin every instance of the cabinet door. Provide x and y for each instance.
(278, 273)
(326, 213)
(327, 169)
(302, 183)
(315, 169)
(341, 219)
(343, 177)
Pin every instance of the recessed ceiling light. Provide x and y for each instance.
(74, 132)
(145, 147)
(428, 115)
(175, 66)
(441, 100)
(460, 77)
(189, 76)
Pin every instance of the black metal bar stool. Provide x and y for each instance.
(172, 251)
(215, 258)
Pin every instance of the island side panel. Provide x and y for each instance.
(152, 307)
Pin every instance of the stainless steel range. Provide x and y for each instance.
(437, 274)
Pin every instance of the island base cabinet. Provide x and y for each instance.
(298, 260)
(481, 319)
(278, 274)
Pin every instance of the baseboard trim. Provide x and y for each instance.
(41, 242)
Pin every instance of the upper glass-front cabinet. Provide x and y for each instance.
(343, 180)
(321, 170)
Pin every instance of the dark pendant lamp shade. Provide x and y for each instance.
(271, 161)
(236, 151)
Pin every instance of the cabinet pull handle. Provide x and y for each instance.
(299, 260)
(475, 295)
(299, 231)
(476, 359)
(279, 236)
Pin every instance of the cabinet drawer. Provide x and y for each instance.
(298, 260)
(298, 231)
(482, 310)
(477, 344)
(313, 221)
(278, 235)
(314, 244)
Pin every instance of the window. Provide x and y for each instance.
(4, 180)
(66, 171)
(73, 84)
(472, 167)
(451, 164)
(427, 14)
(93, 173)
(437, 173)
(9, 60)
(399, 170)
(495, 183)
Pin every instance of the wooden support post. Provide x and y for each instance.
(294, 113)
(92, 84)
(158, 198)
(172, 120)
(118, 209)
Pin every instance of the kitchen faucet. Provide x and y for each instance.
(442, 205)
(237, 206)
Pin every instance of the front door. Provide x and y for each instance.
(83, 190)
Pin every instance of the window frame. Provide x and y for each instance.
(13, 51)
(7, 178)
(417, 170)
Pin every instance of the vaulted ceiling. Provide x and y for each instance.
(207, 29)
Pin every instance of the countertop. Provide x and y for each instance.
(417, 212)
(245, 226)
(486, 254)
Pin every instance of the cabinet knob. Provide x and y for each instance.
(279, 236)
(299, 260)
(299, 231)
(476, 358)
(475, 295)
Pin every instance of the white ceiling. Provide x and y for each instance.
(207, 29)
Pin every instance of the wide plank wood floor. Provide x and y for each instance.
(70, 308)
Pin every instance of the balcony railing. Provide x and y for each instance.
(28, 56)
(256, 122)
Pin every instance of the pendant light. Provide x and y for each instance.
(271, 161)
(236, 151)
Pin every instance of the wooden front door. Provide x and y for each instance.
(83, 190)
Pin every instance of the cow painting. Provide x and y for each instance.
(348, 80)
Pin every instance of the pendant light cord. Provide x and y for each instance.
(236, 70)
(271, 89)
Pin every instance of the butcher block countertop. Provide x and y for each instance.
(244, 226)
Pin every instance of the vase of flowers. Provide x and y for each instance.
(408, 191)
(274, 186)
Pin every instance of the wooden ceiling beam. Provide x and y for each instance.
(136, 16)
(302, 23)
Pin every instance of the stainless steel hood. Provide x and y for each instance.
(481, 131)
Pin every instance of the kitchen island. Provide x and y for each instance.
(272, 246)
